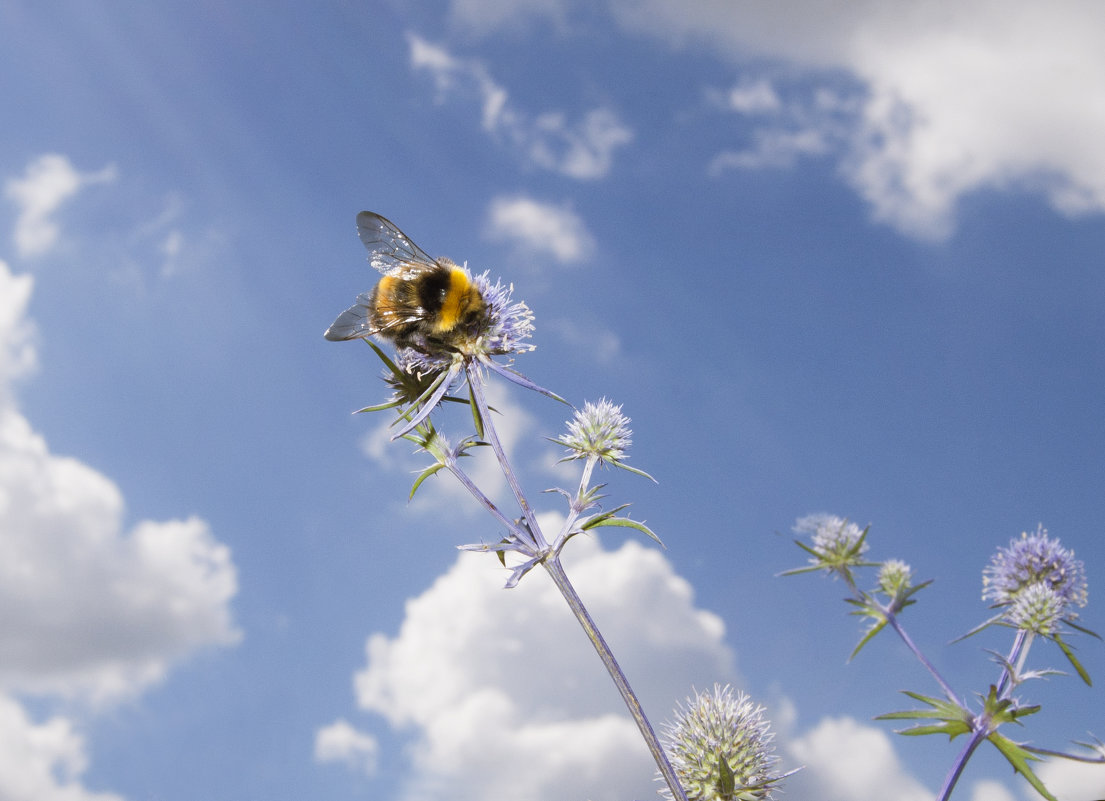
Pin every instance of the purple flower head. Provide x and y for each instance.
(1040, 569)
(509, 324)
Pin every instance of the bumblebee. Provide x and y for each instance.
(422, 303)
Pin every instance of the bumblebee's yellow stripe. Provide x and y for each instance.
(455, 300)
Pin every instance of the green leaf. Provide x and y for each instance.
(1082, 629)
(383, 357)
(477, 419)
(591, 498)
(953, 730)
(996, 619)
(429, 471)
(794, 571)
(1004, 710)
(808, 549)
(726, 781)
(501, 553)
(379, 407)
(955, 720)
(1019, 758)
(1068, 652)
(634, 470)
(871, 632)
(624, 522)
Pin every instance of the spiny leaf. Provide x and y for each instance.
(634, 470)
(1068, 652)
(871, 632)
(380, 406)
(794, 571)
(429, 471)
(1082, 629)
(953, 730)
(624, 522)
(955, 719)
(726, 781)
(1019, 758)
(985, 624)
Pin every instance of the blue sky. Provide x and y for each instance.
(843, 259)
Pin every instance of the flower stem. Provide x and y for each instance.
(960, 763)
(484, 501)
(475, 383)
(560, 578)
(1018, 653)
(892, 619)
(551, 562)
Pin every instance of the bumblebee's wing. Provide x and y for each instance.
(358, 321)
(353, 322)
(389, 250)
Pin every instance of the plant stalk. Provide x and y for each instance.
(560, 578)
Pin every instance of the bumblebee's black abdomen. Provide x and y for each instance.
(432, 289)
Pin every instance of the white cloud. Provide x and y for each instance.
(41, 762)
(990, 791)
(17, 353)
(170, 249)
(846, 761)
(777, 148)
(342, 742)
(451, 74)
(86, 609)
(540, 228)
(507, 698)
(821, 122)
(481, 15)
(753, 96)
(956, 97)
(582, 150)
(1072, 781)
(952, 97)
(47, 183)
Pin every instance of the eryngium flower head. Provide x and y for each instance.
(720, 746)
(598, 430)
(1037, 608)
(837, 544)
(1035, 559)
(508, 324)
(895, 577)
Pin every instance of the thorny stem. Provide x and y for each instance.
(478, 494)
(892, 619)
(1019, 652)
(560, 578)
(575, 507)
(981, 725)
(555, 570)
(475, 382)
(977, 737)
